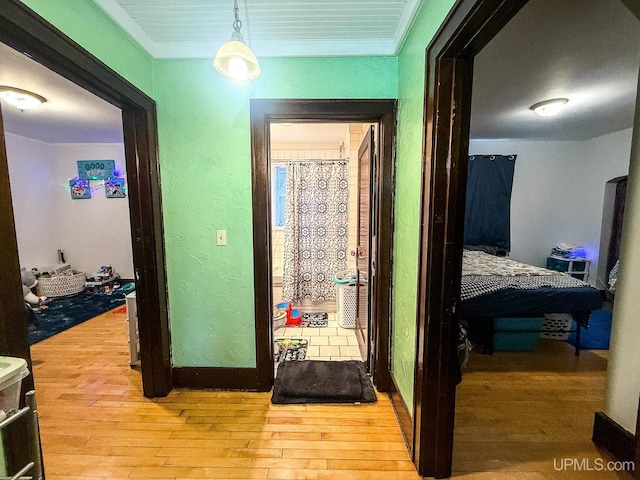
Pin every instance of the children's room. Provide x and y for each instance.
(69, 193)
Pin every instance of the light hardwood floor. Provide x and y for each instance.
(516, 413)
(519, 415)
(96, 423)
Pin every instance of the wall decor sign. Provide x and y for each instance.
(114, 188)
(96, 169)
(79, 188)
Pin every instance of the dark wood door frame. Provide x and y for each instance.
(263, 112)
(470, 25)
(25, 31)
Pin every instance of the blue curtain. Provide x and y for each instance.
(487, 220)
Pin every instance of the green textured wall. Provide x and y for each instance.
(205, 153)
(85, 23)
(205, 161)
(411, 65)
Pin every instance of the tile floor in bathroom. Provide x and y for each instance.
(327, 343)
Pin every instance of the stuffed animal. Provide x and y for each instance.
(29, 281)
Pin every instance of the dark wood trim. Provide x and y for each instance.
(633, 6)
(145, 211)
(217, 378)
(403, 414)
(609, 435)
(263, 112)
(27, 32)
(470, 25)
(636, 457)
(13, 341)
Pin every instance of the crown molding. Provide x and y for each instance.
(266, 49)
(118, 14)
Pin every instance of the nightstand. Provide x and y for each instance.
(576, 267)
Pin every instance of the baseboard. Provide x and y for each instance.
(218, 378)
(402, 412)
(613, 438)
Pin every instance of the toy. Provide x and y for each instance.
(29, 281)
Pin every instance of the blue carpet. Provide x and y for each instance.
(596, 337)
(63, 313)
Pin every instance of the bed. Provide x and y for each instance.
(500, 287)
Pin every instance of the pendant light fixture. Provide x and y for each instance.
(235, 59)
(21, 99)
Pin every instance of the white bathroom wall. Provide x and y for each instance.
(31, 173)
(91, 232)
(558, 191)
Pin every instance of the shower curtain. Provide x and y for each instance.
(316, 229)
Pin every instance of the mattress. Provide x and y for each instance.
(500, 287)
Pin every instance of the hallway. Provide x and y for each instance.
(95, 423)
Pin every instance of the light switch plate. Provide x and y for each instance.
(221, 237)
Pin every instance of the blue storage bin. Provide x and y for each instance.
(526, 340)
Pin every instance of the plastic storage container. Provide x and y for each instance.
(12, 371)
(346, 298)
(516, 340)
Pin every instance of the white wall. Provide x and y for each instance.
(91, 232)
(31, 173)
(94, 231)
(558, 192)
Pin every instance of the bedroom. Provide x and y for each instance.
(562, 162)
(54, 229)
(561, 168)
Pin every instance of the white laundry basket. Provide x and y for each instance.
(346, 298)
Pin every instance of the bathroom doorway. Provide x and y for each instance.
(320, 205)
(267, 116)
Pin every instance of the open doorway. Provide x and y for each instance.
(450, 60)
(70, 224)
(26, 32)
(264, 113)
(320, 203)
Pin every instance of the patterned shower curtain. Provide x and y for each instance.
(316, 229)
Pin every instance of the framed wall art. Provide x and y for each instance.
(79, 188)
(114, 188)
(96, 169)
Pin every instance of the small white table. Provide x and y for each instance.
(132, 321)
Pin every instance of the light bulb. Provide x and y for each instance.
(238, 68)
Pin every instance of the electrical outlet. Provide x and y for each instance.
(221, 237)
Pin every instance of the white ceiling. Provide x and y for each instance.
(70, 114)
(197, 28)
(585, 50)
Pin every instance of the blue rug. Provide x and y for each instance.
(63, 313)
(597, 336)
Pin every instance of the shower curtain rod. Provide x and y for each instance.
(308, 160)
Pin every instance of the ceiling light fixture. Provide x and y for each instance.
(235, 59)
(21, 99)
(549, 108)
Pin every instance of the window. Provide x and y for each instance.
(279, 189)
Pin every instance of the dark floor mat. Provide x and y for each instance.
(316, 381)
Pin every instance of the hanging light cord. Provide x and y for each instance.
(237, 25)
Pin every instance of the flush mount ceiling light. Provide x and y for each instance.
(549, 108)
(21, 99)
(235, 59)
